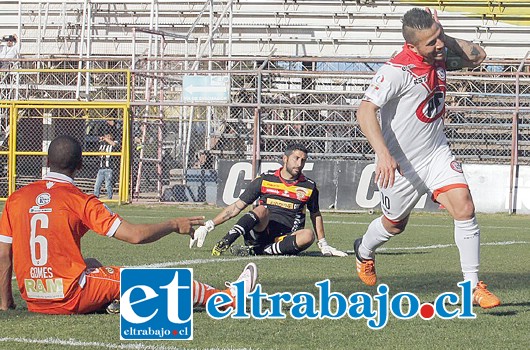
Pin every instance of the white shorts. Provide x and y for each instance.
(441, 174)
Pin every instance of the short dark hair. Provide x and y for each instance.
(295, 147)
(111, 129)
(415, 19)
(64, 153)
(9, 38)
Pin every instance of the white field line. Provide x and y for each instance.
(217, 260)
(213, 260)
(207, 261)
(140, 346)
(421, 225)
(439, 246)
(263, 257)
(77, 343)
(368, 223)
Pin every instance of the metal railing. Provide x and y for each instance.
(269, 102)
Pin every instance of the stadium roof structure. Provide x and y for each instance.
(311, 28)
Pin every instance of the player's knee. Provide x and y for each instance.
(305, 237)
(92, 263)
(311, 236)
(261, 212)
(395, 230)
(464, 211)
(394, 227)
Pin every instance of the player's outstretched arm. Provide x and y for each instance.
(146, 233)
(226, 214)
(6, 273)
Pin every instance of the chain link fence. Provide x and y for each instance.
(179, 127)
(32, 128)
(37, 126)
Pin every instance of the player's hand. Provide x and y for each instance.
(185, 225)
(328, 250)
(435, 17)
(385, 171)
(434, 14)
(200, 234)
(9, 306)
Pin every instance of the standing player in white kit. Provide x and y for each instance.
(412, 154)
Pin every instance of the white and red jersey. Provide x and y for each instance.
(411, 94)
(44, 221)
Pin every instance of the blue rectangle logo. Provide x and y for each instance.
(156, 304)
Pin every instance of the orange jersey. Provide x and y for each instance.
(44, 221)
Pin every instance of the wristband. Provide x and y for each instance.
(209, 225)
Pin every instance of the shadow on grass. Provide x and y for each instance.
(517, 304)
(402, 253)
(312, 253)
(503, 313)
(350, 253)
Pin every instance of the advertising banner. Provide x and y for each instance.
(349, 185)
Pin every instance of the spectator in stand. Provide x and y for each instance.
(9, 50)
(108, 143)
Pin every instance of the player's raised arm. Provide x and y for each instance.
(461, 53)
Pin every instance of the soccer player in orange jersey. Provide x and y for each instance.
(40, 235)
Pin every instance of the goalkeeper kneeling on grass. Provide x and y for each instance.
(276, 225)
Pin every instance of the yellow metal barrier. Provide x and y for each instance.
(22, 141)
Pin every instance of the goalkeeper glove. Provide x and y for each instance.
(328, 250)
(200, 234)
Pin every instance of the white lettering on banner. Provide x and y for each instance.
(270, 166)
(489, 186)
(363, 189)
(229, 195)
(267, 166)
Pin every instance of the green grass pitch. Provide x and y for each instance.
(423, 260)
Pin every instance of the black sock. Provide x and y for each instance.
(286, 246)
(244, 225)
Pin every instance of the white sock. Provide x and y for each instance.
(467, 238)
(375, 236)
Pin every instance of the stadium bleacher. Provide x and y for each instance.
(324, 28)
(305, 63)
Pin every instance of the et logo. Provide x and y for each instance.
(156, 304)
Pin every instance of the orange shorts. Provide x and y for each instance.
(101, 287)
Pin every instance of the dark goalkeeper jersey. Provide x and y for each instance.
(286, 201)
